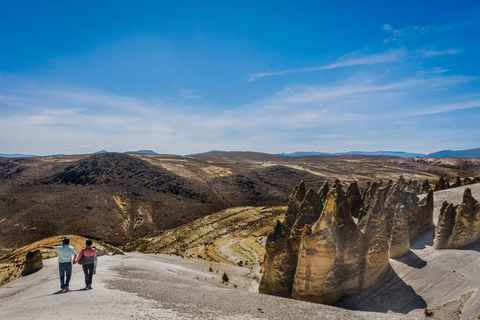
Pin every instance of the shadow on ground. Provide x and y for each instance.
(412, 260)
(393, 294)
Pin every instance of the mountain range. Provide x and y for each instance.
(470, 153)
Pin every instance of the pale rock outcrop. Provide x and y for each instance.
(375, 253)
(33, 262)
(420, 214)
(400, 238)
(445, 224)
(283, 242)
(324, 254)
(101, 251)
(465, 228)
(329, 259)
(368, 197)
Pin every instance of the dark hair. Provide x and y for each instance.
(89, 242)
(66, 241)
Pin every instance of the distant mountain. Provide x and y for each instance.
(142, 151)
(305, 153)
(16, 155)
(470, 153)
(100, 152)
(370, 153)
(387, 153)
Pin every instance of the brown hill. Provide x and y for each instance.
(120, 197)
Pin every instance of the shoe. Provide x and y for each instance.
(89, 287)
(66, 289)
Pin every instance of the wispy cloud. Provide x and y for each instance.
(349, 60)
(436, 70)
(433, 53)
(449, 107)
(414, 31)
(362, 110)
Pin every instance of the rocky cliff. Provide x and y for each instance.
(328, 253)
(458, 226)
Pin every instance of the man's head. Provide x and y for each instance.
(89, 243)
(66, 240)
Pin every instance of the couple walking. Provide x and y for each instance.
(87, 258)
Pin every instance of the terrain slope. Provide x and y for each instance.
(123, 197)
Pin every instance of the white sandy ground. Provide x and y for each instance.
(139, 286)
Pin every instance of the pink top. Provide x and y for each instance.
(87, 252)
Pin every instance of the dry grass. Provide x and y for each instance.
(11, 264)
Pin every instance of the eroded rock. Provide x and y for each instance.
(330, 253)
(400, 237)
(33, 262)
(458, 226)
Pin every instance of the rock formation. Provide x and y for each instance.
(441, 184)
(33, 262)
(101, 251)
(400, 236)
(420, 214)
(425, 187)
(458, 226)
(118, 252)
(375, 254)
(320, 253)
(329, 259)
(281, 251)
(354, 199)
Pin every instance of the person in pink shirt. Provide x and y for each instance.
(89, 255)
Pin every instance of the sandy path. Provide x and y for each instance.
(138, 286)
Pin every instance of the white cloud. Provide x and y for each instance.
(433, 53)
(436, 70)
(349, 60)
(331, 117)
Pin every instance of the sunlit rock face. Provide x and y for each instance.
(420, 214)
(322, 252)
(459, 226)
(375, 238)
(283, 242)
(400, 236)
(330, 253)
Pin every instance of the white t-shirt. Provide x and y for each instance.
(65, 253)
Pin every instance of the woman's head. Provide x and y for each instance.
(88, 242)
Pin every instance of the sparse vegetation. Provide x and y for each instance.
(428, 313)
(225, 277)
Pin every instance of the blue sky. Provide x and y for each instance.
(271, 76)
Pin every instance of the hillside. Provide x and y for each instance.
(234, 236)
(470, 153)
(123, 197)
(11, 264)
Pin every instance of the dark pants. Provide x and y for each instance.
(65, 268)
(88, 270)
